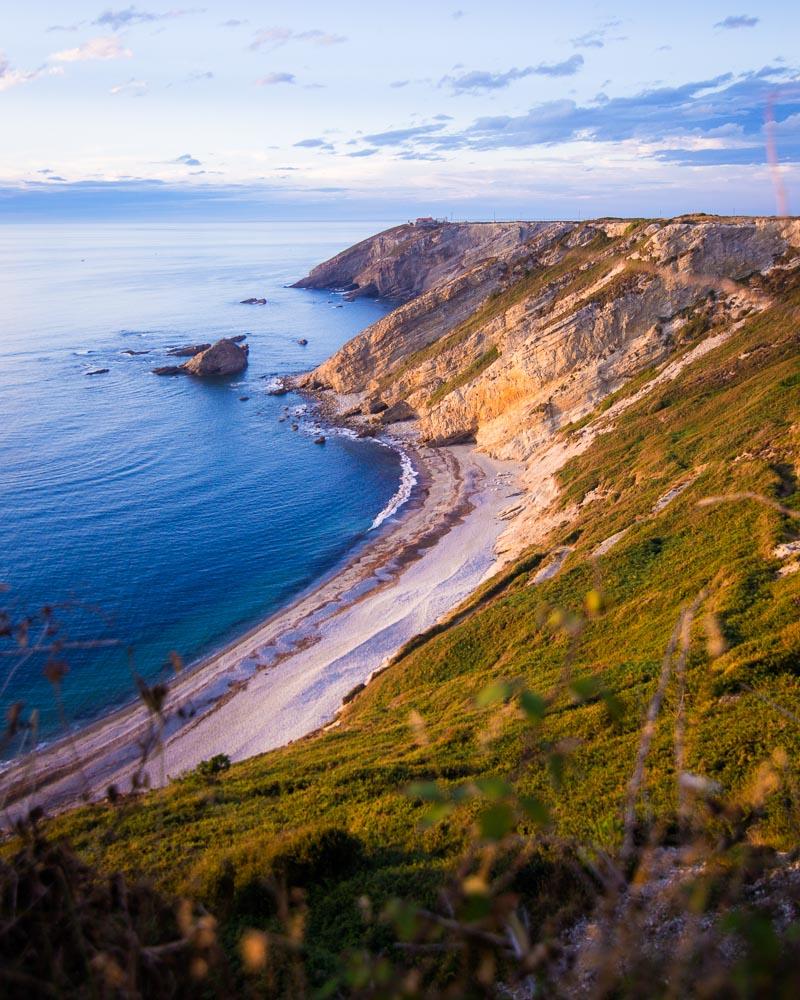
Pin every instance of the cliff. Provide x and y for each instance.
(618, 707)
(512, 332)
(406, 261)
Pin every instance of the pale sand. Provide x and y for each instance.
(287, 677)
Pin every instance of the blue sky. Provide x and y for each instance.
(356, 110)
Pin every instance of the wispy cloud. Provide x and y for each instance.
(733, 21)
(103, 47)
(314, 144)
(187, 160)
(569, 67)
(271, 79)
(596, 38)
(127, 17)
(397, 136)
(232, 22)
(476, 81)
(675, 120)
(133, 87)
(273, 37)
(11, 77)
(65, 27)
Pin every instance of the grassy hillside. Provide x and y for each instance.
(333, 811)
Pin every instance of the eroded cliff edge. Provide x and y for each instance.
(510, 334)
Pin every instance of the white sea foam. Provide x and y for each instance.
(408, 479)
(408, 474)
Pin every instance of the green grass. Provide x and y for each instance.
(467, 375)
(211, 835)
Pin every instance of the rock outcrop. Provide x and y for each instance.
(507, 332)
(403, 262)
(187, 351)
(223, 358)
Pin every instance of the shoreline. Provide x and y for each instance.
(289, 676)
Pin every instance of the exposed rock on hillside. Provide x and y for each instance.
(512, 330)
(407, 260)
(510, 333)
(223, 358)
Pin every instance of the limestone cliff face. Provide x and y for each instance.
(403, 262)
(507, 332)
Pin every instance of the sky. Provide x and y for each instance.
(390, 110)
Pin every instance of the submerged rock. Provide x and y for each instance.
(188, 350)
(302, 341)
(97, 371)
(320, 439)
(134, 354)
(223, 358)
(253, 302)
(243, 399)
(169, 370)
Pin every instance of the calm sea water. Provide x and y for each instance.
(165, 513)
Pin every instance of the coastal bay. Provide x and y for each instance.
(287, 677)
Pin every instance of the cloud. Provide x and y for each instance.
(315, 144)
(396, 137)
(703, 121)
(397, 84)
(232, 23)
(65, 27)
(187, 160)
(199, 74)
(363, 152)
(597, 37)
(569, 67)
(134, 87)
(411, 155)
(10, 77)
(118, 19)
(477, 80)
(458, 14)
(271, 79)
(482, 80)
(103, 47)
(280, 36)
(733, 21)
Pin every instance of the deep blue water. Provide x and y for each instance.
(165, 513)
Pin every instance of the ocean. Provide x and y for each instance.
(156, 514)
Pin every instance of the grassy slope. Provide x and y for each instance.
(735, 414)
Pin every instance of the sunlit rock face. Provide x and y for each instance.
(505, 332)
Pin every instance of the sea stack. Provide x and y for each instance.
(223, 358)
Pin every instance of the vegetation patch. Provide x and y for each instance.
(467, 375)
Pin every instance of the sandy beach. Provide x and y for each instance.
(288, 676)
